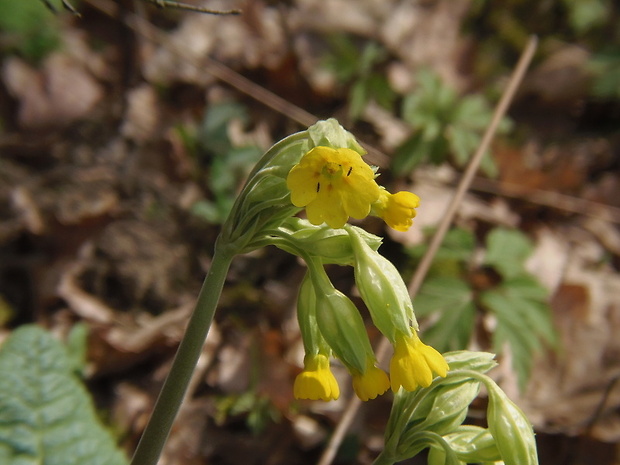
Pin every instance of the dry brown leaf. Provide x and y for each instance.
(54, 96)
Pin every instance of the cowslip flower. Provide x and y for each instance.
(333, 185)
(316, 381)
(414, 363)
(370, 384)
(397, 210)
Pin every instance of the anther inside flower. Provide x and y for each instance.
(316, 381)
(414, 363)
(333, 185)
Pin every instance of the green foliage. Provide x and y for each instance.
(228, 165)
(605, 67)
(7, 312)
(443, 124)
(28, 28)
(518, 301)
(585, 15)
(357, 69)
(431, 418)
(46, 414)
(258, 410)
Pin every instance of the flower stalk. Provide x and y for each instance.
(173, 391)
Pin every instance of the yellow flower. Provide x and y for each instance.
(316, 381)
(414, 362)
(397, 210)
(333, 184)
(370, 384)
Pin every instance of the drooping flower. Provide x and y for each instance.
(397, 210)
(333, 185)
(414, 363)
(370, 384)
(316, 381)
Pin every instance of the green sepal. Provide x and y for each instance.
(340, 322)
(264, 202)
(313, 341)
(333, 246)
(382, 288)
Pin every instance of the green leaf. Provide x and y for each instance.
(507, 250)
(77, 347)
(409, 154)
(523, 321)
(358, 98)
(457, 245)
(46, 414)
(28, 28)
(452, 300)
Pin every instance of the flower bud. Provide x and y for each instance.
(445, 407)
(510, 428)
(470, 360)
(473, 444)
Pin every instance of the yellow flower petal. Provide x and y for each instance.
(333, 185)
(397, 210)
(414, 362)
(316, 382)
(370, 384)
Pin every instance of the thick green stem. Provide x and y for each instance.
(172, 393)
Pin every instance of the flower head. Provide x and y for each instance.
(414, 362)
(333, 185)
(397, 210)
(316, 381)
(371, 383)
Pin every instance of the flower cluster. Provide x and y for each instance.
(333, 183)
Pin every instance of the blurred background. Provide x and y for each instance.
(126, 132)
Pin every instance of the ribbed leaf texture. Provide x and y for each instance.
(46, 414)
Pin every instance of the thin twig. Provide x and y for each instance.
(549, 199)
(526, 57)
(197, 9)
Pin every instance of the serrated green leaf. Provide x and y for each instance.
(409, 154)
(46, 414)
(463, 142)
(507, 250)
(358, 98)
(452, 300)
(458, 244)
(522, 323)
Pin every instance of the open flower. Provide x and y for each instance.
(397, 210)
(333, 185)
(370, 384)
(316, 381)
(414, 363)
